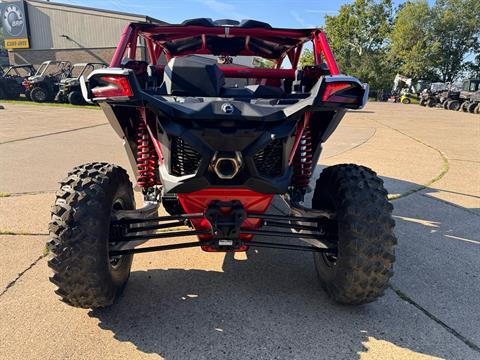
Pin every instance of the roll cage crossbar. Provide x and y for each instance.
(272, 44)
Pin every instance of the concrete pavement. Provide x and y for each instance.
(189, 304)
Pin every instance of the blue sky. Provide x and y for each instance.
(279, 13)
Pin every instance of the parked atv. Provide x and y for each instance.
(44, 85)
(451, 100)
(69, 87)
(12, 78)
(432, 96)
(216, 156)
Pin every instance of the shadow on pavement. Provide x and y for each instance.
(269, 306)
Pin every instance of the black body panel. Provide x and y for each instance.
(194, 131)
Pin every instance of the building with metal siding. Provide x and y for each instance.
(74, 33)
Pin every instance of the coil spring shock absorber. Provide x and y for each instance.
(146, 158)
(302, 162)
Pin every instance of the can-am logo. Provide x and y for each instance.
(13, 20)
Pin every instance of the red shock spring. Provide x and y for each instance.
(147, 160)
(302, 162)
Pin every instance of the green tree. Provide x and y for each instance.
(359, 36)
(473, 68)
(306, 58)
(412, 41)
(262, 63)
(456, 26)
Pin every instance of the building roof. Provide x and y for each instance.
(84, 9)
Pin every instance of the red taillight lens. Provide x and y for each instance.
(332, 91)
(112, 86)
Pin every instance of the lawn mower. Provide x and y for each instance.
(215, 156)
(69, 87)
(11, 79)
(44, 85)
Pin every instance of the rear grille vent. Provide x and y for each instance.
(268, 161)
(184, 159)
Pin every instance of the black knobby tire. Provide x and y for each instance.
(39, 94)
(477, 109)
(454, 105)
(80, 229)
(463, 106)
(423, 102)
(431, 103)
(360, 270)
(76, 98)
(471, 107)
(445, 104)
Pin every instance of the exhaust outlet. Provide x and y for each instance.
(227, 167)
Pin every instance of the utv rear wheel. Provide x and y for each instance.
(76, 98)
(359, 271)
(406, 101)
(39, 94)
(80, 231)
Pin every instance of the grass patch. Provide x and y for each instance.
(26, 102)
(4, 194)
(20, 232)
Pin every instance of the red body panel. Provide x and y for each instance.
(197, 202)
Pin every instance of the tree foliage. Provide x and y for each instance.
(262, 63)
(412, 42)
(359, 36)
(456, 26)
(473, 67)
(373, 42)
(306, 58)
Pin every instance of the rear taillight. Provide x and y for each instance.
(339, 92)
(112, 86)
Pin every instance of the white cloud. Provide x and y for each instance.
(300, 20)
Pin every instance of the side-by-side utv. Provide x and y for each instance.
(12, 78)
(215, 156)
(69, 87)
(44, 85)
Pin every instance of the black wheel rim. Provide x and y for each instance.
(41, 95)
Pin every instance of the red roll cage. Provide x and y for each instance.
(270, 43)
